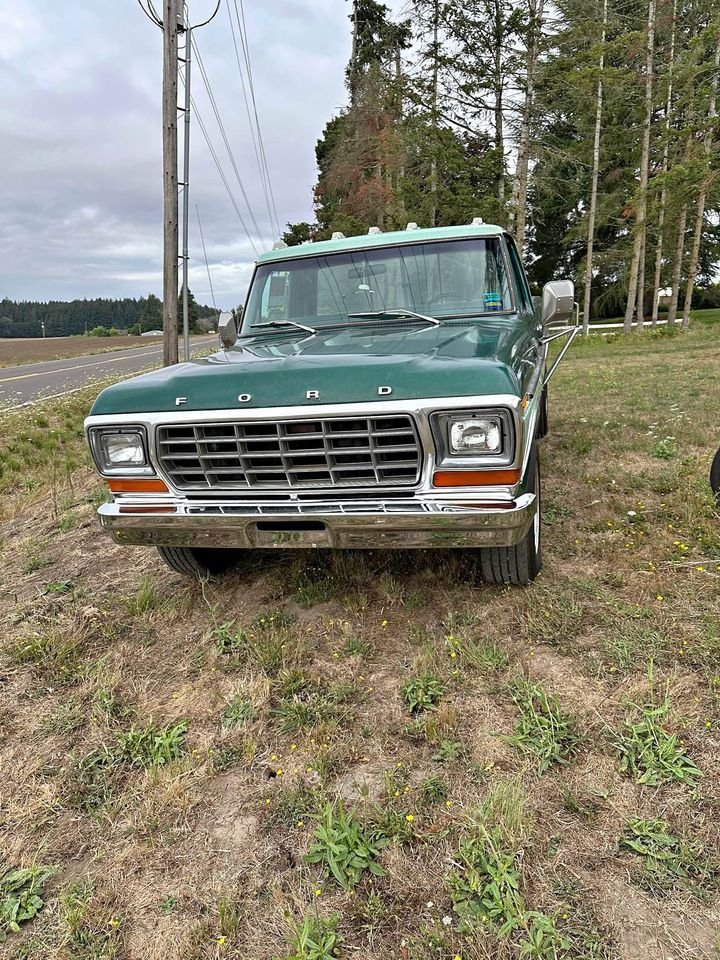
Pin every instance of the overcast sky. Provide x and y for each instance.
(80, 167)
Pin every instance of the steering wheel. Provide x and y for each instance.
(444, 297)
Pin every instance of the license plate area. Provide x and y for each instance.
(291, 533)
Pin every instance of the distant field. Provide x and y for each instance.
(34, 350)
(28, 350)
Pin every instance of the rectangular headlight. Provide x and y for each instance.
(117, 451)
(477, 437)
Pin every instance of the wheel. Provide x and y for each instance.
(715, 475)
(198, 561)
(543, 426)
(520, 564)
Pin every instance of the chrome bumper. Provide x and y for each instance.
(398, 524)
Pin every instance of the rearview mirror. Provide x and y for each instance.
(558, 302)
(371, 270)
(227, 329)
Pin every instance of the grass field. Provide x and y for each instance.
(375, 755)
(16, 352)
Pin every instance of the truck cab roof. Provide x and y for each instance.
(368, 241)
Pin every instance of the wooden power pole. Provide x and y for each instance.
(170, 184)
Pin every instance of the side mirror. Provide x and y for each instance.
(227, 329)
(558, 302)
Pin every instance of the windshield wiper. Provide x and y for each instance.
(283, 323)
(400, 314)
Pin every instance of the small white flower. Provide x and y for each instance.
(447, 921)
(429, 904)
(631, 513)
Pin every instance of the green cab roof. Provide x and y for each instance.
(368, 241)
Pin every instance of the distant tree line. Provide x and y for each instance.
(25, 318)
(588, 128)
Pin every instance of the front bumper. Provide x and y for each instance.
(400, 524)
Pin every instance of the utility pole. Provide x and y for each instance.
(186, 190)
(175, 20)
(170, 26)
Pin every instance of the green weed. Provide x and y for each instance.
(268, 644)
(433, 790)
(238, 713)
(151, 746)
(316, 938)
(312, 703)
(422, 693)
(650, 753)
(87, 936)
(343, 847)
(449, 751)
(21, 896)
(145, 598)
(543, 729)
(667, 861)
(485, 884)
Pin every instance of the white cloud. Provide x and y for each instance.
(81, 188)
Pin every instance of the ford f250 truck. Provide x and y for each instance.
(382, 391)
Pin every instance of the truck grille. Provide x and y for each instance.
(355, 451)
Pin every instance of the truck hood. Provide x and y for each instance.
(342, 365)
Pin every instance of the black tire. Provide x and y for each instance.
(715, 475)
(543, 423)
(198, 561)
(520, 564)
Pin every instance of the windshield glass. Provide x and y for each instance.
(442, 279)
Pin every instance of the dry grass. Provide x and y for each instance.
(202, 855)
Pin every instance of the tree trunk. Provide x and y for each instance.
(640, 304)
(702, 197)
(663, 193)
(352, 72)
(520, 185)
(641, 223)
(434, 118)
(499, 92)
(595, 174)
(677, 267)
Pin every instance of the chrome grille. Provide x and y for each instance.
(352, 451)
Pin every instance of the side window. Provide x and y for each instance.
(524, 298)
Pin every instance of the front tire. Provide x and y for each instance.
(198, 562)
(715, 475)
(520, 564)
(543, 422)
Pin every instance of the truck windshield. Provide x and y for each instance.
(452, 278)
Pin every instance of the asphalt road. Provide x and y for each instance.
(52, 378)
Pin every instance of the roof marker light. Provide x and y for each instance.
(373, 230)
(338, 235)
(412, 226)
(477, 222)
(279, 245)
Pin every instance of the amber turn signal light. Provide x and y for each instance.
(475, 478)
(137, 485)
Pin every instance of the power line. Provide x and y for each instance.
(221, 125)
(213, 154)
(251, 126)
(246, 53)
(207, 265)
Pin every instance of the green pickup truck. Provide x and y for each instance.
(382, 391)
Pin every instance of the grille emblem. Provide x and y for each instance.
(245, 397)
(312, 395)
(384, 391)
